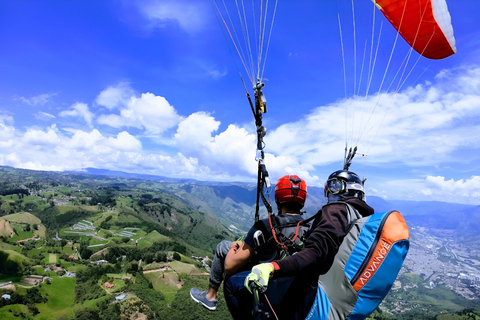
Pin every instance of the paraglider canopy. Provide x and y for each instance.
(425, 25)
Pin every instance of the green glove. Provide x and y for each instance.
(260, 275)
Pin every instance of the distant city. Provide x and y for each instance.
(444, 261)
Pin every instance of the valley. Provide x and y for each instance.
(80, 246)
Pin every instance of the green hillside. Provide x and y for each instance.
(22, 217)
(57, 225)
(72, 243)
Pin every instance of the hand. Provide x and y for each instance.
(260, 275)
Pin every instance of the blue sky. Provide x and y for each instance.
(154, 87)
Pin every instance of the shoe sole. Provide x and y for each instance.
(202, 303)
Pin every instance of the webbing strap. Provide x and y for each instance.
(353, 213)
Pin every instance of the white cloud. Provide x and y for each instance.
(195, 131)
(148, 112)
(44, 116)
(38, 100)
(216, 74)
(82, 140)
(424, 125)
(51, 149)
(228, 152)
(79, 110)
(112, 120)
(426, 128)
(115, 96)
(124, 141)
(7, 131)
(42, 138)
(431, 188)
(190, 16)
(467, 190)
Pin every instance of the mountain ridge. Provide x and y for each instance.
(190, 218)
(239, 210)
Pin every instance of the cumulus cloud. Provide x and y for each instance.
(115, 96)
(148, 112)
(7, 131)
(422, 125)
(79, 110)
(230, 150)
(83, 141)
(54, 149)
(124, 141)
(189, 16)
(41, 138)
(467, 190)
(432, 188)
(427, 126)
(196, 130)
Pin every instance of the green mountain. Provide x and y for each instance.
(146, 236)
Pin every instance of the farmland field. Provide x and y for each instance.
(61, 296)
(22, 217)
(17, 309)
(64, 209)
(40, 231)
(150, 238)
(181, 267)
(52, 258)
(9, 246)
(21, 233)
(165, 282)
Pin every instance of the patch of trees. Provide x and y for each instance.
(18, 191)
(54, 221)
(183, 307)
(30, 206)
(105, 311)
(156, 209)
(157, 252)
(106, 199)
(144, 290)
(5, 208)
(87, 287)
(200, 235)
(27, 246)
(32, 296)
(84, 251)
(176, 256)
(147, 197)
(197, 233)
(105, 224)
(466, 314)
(35, 185)
(179, 248)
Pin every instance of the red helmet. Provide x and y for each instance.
(292, 189)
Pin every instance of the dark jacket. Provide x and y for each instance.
(321, 246)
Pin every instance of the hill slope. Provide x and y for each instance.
(142, 226)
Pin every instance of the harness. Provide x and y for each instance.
(286, 236)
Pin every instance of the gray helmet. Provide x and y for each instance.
(344, 183)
